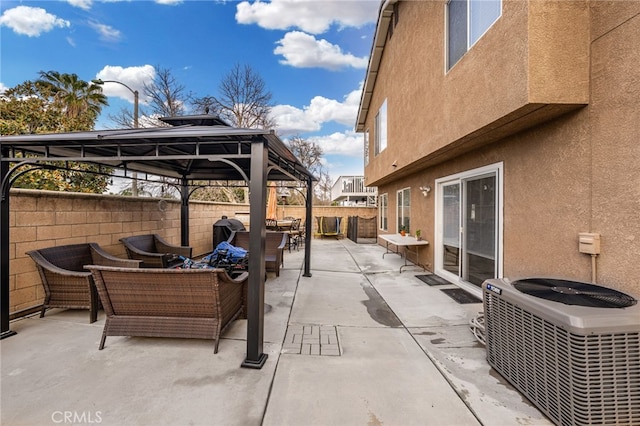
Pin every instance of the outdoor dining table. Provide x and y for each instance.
(280, 225)
(407, 242)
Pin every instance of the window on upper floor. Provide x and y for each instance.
(366, 147)
(381, 129)
(467, 21)
(404, 209)
(383, 211)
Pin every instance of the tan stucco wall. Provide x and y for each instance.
(532, 63)
(579, 172)
(43, 219)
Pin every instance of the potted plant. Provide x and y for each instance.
(418, 235)
(403, 230)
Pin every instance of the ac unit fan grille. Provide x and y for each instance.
(573, 379)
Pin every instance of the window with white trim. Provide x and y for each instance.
(366, 147)
(467, 21)
(381, 129)
(383, 212)
(404, 209)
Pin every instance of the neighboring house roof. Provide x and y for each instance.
(379, 41)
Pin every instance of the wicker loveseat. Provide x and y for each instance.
(273, 248)
(66, 283)
(154, 251)
(179, 303)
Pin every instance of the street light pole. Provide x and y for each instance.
(135, 97)
(134, 183)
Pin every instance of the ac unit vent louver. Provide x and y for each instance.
(580, 365)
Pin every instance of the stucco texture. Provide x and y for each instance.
(573, 170)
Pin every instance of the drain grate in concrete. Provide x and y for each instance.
(311, 340)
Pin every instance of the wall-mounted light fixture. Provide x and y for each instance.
(394, 164)
(425, 190)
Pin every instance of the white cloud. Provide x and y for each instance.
(82, 4)
(3, 88)
(106, 32)
(346, 143)
(134, 77)
(31, 21)
(302, 50)
(311, 16)
(292, 120)
(169, 2)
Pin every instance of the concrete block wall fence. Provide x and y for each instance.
(41, 219)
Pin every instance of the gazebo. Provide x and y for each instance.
(191, 150)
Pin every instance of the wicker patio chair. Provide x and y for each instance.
(154, 251)
(177, 303)
(66, 283)
(274, 247)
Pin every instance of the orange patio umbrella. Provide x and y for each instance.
(272, 202)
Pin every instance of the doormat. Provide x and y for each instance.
(460, 296)
(432, 279)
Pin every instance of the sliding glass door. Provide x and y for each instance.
(468, 224)
(450, 244)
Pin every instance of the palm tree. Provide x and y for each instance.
(76, 97)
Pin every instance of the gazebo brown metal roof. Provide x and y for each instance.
(193, 149)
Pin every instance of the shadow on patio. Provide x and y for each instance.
(357, 343)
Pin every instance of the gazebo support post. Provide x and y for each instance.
(257, 236)
(308, 229)
(4, 249)
(184, 212)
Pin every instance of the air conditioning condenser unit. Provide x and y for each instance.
(572, 348)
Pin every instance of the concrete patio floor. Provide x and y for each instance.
(357, 343)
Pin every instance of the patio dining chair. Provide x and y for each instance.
(293, 234)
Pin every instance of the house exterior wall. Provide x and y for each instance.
(551, 92)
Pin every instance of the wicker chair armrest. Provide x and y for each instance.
(238, 280)
(101, 257)
(45, 264)
(137, 251)
(164, 247)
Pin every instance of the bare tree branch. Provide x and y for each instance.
(243, 100)
(166, 96)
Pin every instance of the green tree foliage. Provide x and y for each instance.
(78, 99)
(71, 177)
(56, 103)
(26, 109)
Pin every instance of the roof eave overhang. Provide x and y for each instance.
(379, 41)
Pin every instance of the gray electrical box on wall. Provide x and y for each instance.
(589, 243)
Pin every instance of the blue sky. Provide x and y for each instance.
(312, 55)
